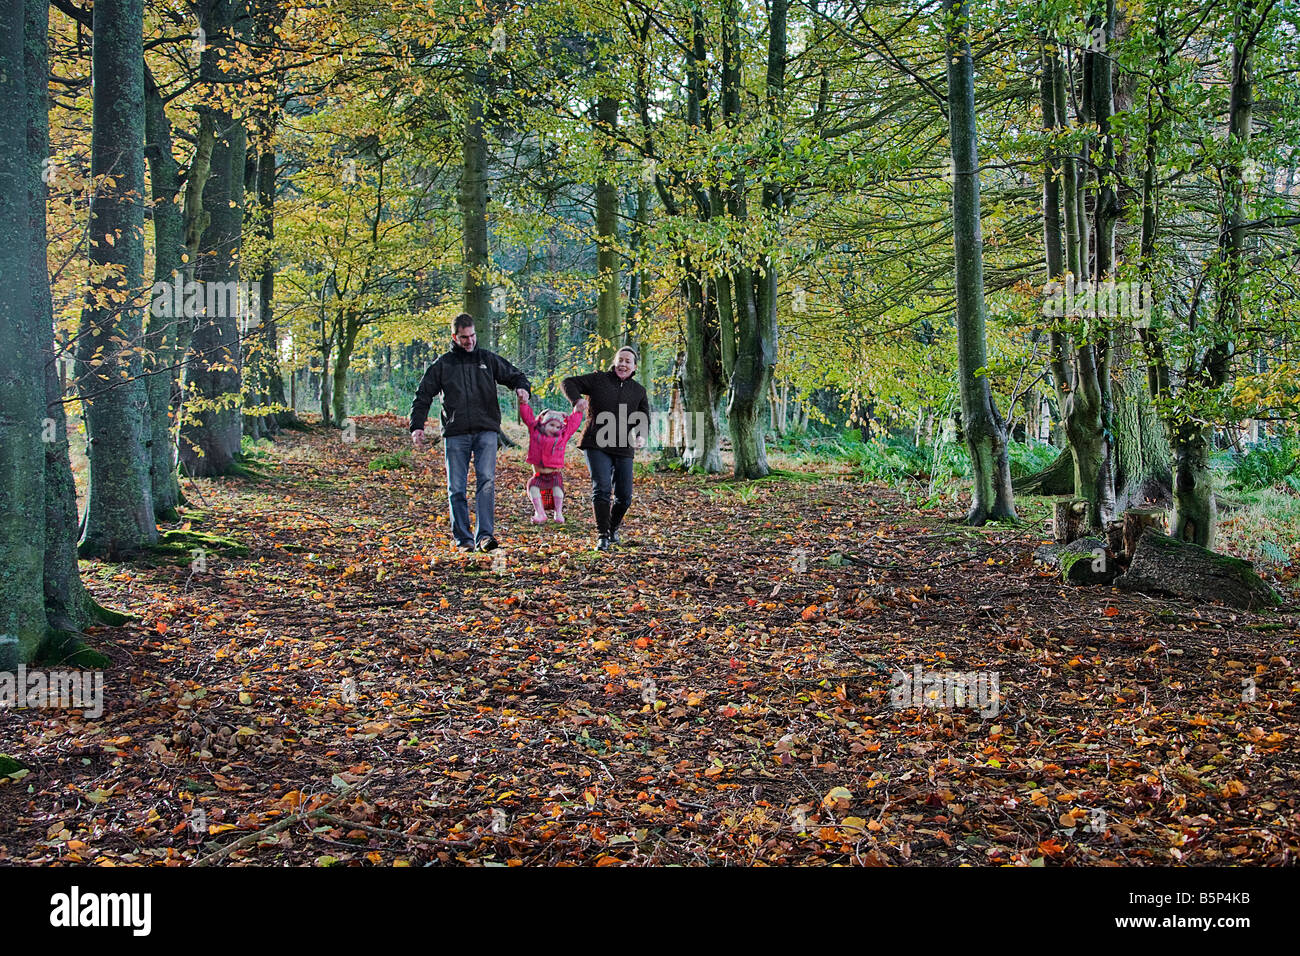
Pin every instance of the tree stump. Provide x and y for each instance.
(1086, 561)
(1067, 519)
(1137, 520)
(1166, 566)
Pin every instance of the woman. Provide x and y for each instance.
(616, 428)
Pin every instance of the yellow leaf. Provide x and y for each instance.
(835, 794)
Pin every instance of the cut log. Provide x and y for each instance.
(1086, 561)
(1166, 566)
(1067, 519)
(1056, 479)
(1137, 520)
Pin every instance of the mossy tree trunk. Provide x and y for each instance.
(473, 208)
(608, 278)
(349, 326)
(212, 425)
(22, 409)
(985, 431)
(119, 517)
(754, 290)
(1079, 356)
(41, 596)
(163, 326)
(702, 384)
(1142, 452)
(68, 604)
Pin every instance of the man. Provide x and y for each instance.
(467, 377)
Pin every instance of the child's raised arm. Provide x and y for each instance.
(526, 413)
(572, 423)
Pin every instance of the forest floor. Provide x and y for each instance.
(720, 690)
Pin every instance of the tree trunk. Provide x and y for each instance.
(1164, 565)
(609, 324)
(702, 384)
(1078, 356)
(212, 426)
(1142, 453)
(1068, 519)
(345, 345)
(986, 439)
(282, 416)
(68, 605)
(162, 324)
(754, 290)
(638, 321)
(473, 209)
(1195, 509)
(119, 516)
(1136, 522)
(22, 456)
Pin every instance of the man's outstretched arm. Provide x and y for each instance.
(509, 376)
(430, 387)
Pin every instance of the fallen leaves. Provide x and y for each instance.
(690, 698)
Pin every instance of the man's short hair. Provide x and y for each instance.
(462, 321)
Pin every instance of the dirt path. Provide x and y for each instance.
(717, 691)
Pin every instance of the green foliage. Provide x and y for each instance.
(391, 461)
(258, 449)
(1268, 464)
(1030, 458)
(896, 460)
(1262, 526)
(10, 766)
(745, 493)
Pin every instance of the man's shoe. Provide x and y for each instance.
(463, 545)
(613, 537)
(488, 544)
(603, 543)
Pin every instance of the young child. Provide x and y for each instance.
(548, 435)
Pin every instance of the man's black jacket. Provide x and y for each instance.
(467, 382)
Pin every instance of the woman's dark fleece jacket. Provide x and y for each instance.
(620, 409)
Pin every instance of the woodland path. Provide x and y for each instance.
(353, 692)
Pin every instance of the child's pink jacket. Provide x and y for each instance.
(543, 450)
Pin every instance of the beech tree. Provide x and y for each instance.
(986, 435)
(43, 603)
(119, 515)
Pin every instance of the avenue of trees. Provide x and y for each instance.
(1076, 220)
